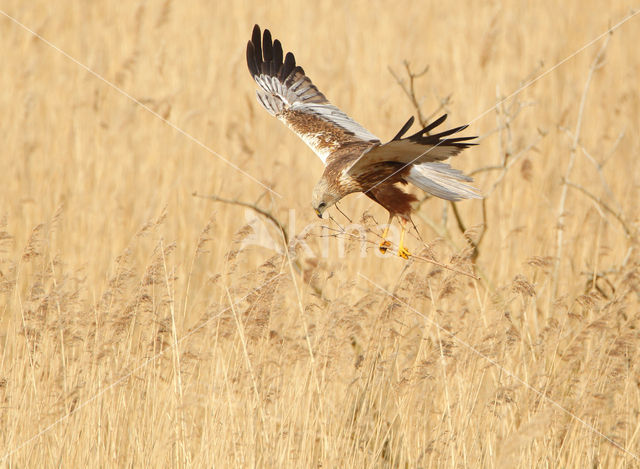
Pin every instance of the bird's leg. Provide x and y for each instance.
(384, 245)
(402, 251)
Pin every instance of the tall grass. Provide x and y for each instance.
(139, 328)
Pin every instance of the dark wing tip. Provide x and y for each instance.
(461, 139)
(255, 39)
(266, 56)
(435, 123)
(277, 52)
(267, 45)
(267, 53)
(255, 34)
(451, 131)
(251, 59)
(404, 129)
(425, 132)
(461, 143)
(254, 52)
(288, 66)
(423, 137)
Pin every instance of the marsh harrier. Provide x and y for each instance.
(356, 160)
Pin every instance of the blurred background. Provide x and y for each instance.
(140, 323)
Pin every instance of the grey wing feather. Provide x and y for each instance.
(443, 181)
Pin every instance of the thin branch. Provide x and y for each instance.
(342, 234)
(511, 161)
(276, 222)
(410, 90)
(599, 166)
(506, 115)
(253, 207)
(614, 147)
(595, 65)
(444, 102)
(463, 229)
(628, 231)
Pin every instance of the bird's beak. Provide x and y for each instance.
(319, 213)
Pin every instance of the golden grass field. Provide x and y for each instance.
(139, 328)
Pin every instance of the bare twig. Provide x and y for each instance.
(508, 163)
(475, 244)
(599, 166)
(410, 89)
(506, 115)
(618, 215)
(442, 107)
(597, 63)
(343, 234)
(614, 147)
(285, 236)
(253, 207)
(338, 233)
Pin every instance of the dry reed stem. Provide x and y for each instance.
(119, 344)
(595, 65)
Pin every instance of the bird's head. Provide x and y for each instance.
(323, 197)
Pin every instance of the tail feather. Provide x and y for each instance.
(443, 181)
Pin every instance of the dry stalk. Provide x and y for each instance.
(245, 352)
(341, 233)
(602, 205)
(410, 90)
(599, 166)
(177, 367)
(505, 115)
(271, 217)
(598, 62)
(312, 358)
(253, 207)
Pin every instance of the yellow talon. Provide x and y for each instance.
(384, 245)
(404, 253)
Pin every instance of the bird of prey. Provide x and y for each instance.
(356, 160)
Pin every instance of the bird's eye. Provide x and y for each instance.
(322, 205)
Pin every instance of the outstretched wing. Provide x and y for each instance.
(288, 94)
(419, 148)
(423, 154)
